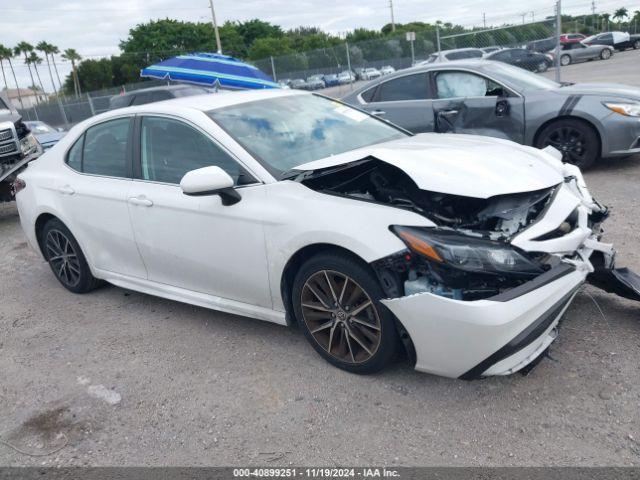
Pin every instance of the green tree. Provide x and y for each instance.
(252, 30)
(25, 48)
(73, 56)
(46, 48)
(269, 46)
(620, 14)
(35, 60)
(7, 54)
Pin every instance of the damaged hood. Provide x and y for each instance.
(464, 165)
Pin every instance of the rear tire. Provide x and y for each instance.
(344, 320)
(636, 45)
(65, 257)
(542, 67)
(576, 140)
(605, 54)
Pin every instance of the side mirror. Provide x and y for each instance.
(210, 181)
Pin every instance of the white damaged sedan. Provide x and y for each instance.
(293, 208)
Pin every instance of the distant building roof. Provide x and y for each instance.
(24, 92)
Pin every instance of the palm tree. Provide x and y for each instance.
(54, 50)
(4, 54)
(605, 17)
(35, 60)
(25, 48)
(620, 14)
(73, 56)
(45, 48)
(7, 54)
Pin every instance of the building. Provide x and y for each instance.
(29, 96)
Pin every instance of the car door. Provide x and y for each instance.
(468, 102)
(93, 196)
(405, 100)
(196, 242)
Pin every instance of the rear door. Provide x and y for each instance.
(94, 197)
(405, 100)
(468, 102)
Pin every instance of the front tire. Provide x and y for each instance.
(336, 300)
(565, 60)
(636, 45)
(65, 257)
(542, 67)
(576, 140)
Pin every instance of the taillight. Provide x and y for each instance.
(18, 185)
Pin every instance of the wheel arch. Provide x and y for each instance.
(578, 118)
(296, 261)
(293, 265)
(40, 222)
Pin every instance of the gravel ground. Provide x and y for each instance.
(120, 378)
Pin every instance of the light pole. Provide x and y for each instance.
(215, 27)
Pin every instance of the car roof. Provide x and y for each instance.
(163, 88)
(206, 102)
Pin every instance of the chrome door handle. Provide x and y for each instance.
(141, 201)
(448, 113)
(66, 190)
(378, 112)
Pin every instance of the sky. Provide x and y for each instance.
(95, 27)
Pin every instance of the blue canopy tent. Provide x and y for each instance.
(210, 69)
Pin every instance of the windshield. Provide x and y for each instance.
(521, 79)
(285, 132)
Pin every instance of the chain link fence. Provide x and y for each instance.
(338, 68)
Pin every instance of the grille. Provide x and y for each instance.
(10, 148)
(6, 135)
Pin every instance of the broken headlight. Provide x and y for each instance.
(467, 253)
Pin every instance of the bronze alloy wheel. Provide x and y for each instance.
(341, 316)
(63, 258)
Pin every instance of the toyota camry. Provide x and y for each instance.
(461, 251)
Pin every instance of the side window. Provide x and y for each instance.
(105, 148)
(461, 84)
(74, 156)
(368, 95)
(502, 56)
(170, 148)
(408, 87)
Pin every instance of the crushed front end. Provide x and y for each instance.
(482, 293)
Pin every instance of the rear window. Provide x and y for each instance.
(465, 54)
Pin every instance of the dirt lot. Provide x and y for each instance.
(121, 378)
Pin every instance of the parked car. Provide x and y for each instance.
(451, 55)
(299, 84)
(284, 83)
(543, 45)
(18, 146)
(331, 80)
(580, 52)
(585, 122)
(532, 61)
(387, 69)
(46, 135)
(487, 50)
(154, 94)
(371, 73)
(315, 82)
(358, 73)
(571, 38)
(346, 77)
(427, 242)
(618, 40)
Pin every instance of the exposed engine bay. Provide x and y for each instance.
(376, 181)
(469, 255)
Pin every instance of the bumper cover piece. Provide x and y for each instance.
(621, 281)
